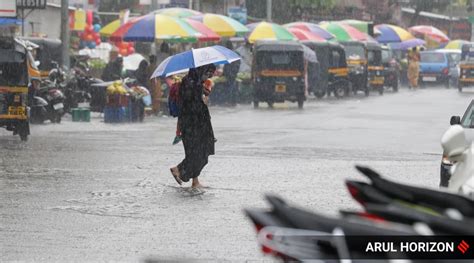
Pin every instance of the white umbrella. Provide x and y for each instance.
(131, 62)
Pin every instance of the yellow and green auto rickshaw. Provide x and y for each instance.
(333, 74)
(279, 72)
(466, 67)
(14, 81)
(47, 53)
(375, 68)
(356, 56)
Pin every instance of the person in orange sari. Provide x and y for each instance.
(413, 72)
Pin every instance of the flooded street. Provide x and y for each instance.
(103, 192)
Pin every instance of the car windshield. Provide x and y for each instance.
(354, 51)
(432, 57)
(280, 60)
(468, 118)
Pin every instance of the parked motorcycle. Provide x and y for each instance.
(48, 104)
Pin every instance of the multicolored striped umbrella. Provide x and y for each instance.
(305, 35)
(429, 33)
(178, 12)
(110, 28)
(344, 32)
(392, 34)
(407, 44)
(313, 28)
(152, 27)
(456, 44)
(208, 34)
(269, 31)
(222, 25)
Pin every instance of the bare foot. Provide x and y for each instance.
(196, 183)
(175, 173)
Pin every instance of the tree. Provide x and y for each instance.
(428, 6)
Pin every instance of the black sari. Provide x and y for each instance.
(195, 125)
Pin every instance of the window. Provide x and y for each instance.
(432, 57)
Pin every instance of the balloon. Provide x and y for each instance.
(97, 28)
(82, 44)
(131, 50)
(89, 29)
(98, 41)
(123, 45)
(91, 45)
(96, 35)
(89, 37)
(90, 17)
(123, 52)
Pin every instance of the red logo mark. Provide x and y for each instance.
(463, 246)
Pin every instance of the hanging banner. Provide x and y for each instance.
(8, 8)
(79, 21)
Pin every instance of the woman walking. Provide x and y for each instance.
(413, 67)
(195, 126)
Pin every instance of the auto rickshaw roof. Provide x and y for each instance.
(270, 45)
(373, 46)
(352, 43)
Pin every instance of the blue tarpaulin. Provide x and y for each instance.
(4, 21)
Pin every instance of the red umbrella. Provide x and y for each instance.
(305, 35)
(208, 34)
(429, 32)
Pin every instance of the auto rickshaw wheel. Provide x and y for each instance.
(23, 130)
(367, 91)
(300, 102)
(255, 104)
(270, 104)
(460, 87)
(395, 86)
(319, 94)
(339, 91)
(381, 90)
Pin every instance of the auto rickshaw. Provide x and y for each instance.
(356, 56)
(333, 71)
(14, 81)
(375, 67)
(391, 68)
(466, 67)
(279, 72)
(47, 53)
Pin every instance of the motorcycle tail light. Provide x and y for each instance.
(445, 71)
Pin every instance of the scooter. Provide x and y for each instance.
(48, 105)
(460, 151)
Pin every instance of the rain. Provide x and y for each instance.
(204, 131)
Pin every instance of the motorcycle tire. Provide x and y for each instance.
(300, 102)
(339, 92)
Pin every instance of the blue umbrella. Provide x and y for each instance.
(182, 62)
(407, 44)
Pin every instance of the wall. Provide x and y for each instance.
(46, 21)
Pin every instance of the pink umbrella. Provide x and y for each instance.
(429, 32)
(305, 35)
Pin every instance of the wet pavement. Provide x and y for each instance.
(103, 192)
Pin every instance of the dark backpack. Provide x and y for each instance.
(173, 99)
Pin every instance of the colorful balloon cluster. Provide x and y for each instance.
(90, 37)
(125, 48)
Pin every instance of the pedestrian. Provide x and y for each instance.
(413, 71)
(113, 70)
(141, 74)
(230, 73)
(195, 126)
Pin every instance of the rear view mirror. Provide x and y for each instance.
(37, 63)
(455, 120)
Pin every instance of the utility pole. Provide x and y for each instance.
(190, 5)
(65, 32)
(154, 5)
(269, 10)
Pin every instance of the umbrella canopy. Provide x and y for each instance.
(407, 44)
(222, 25)
(269, 31)
(456, 44)
(152, 27)
(182, 62)
(207, 33)
(131, 62)
(110, 28)
(313, 28)
(429, 33)
(309, 54)
(362, 26)
(392, 34)
(344, 32)
(305, 35)
(178, 12)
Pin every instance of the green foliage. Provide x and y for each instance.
(97, 63)
(320, 4)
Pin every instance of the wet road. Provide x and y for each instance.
(101, 192)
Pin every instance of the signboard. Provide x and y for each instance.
(30, 4)
(7, 8)
(238, 13)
